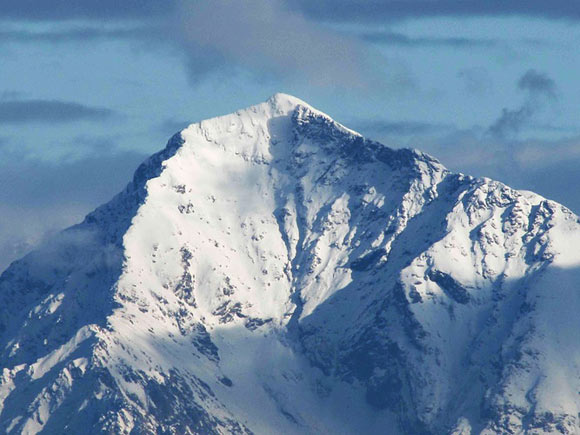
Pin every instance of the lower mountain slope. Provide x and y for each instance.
(272, 271)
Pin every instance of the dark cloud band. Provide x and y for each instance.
(327, 10)
(25, 111)
(380, 10)
(57, 10)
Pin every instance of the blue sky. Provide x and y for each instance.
(89, 89)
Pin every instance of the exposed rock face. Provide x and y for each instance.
(271, 271)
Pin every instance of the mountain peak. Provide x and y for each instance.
(288, 104)
(284, 101)
(251, 132)
(274, 254)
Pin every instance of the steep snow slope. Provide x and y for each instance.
(271, 271)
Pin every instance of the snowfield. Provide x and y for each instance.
(272, 271)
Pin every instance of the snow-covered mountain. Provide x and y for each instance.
(272, 271)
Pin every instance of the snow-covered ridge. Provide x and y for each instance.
(281, 104)
(276, 255)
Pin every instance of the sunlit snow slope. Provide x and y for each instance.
(272, 271)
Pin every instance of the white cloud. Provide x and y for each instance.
(265, 36)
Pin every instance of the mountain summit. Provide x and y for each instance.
(272, 271)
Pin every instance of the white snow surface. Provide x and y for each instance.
(272, 271)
